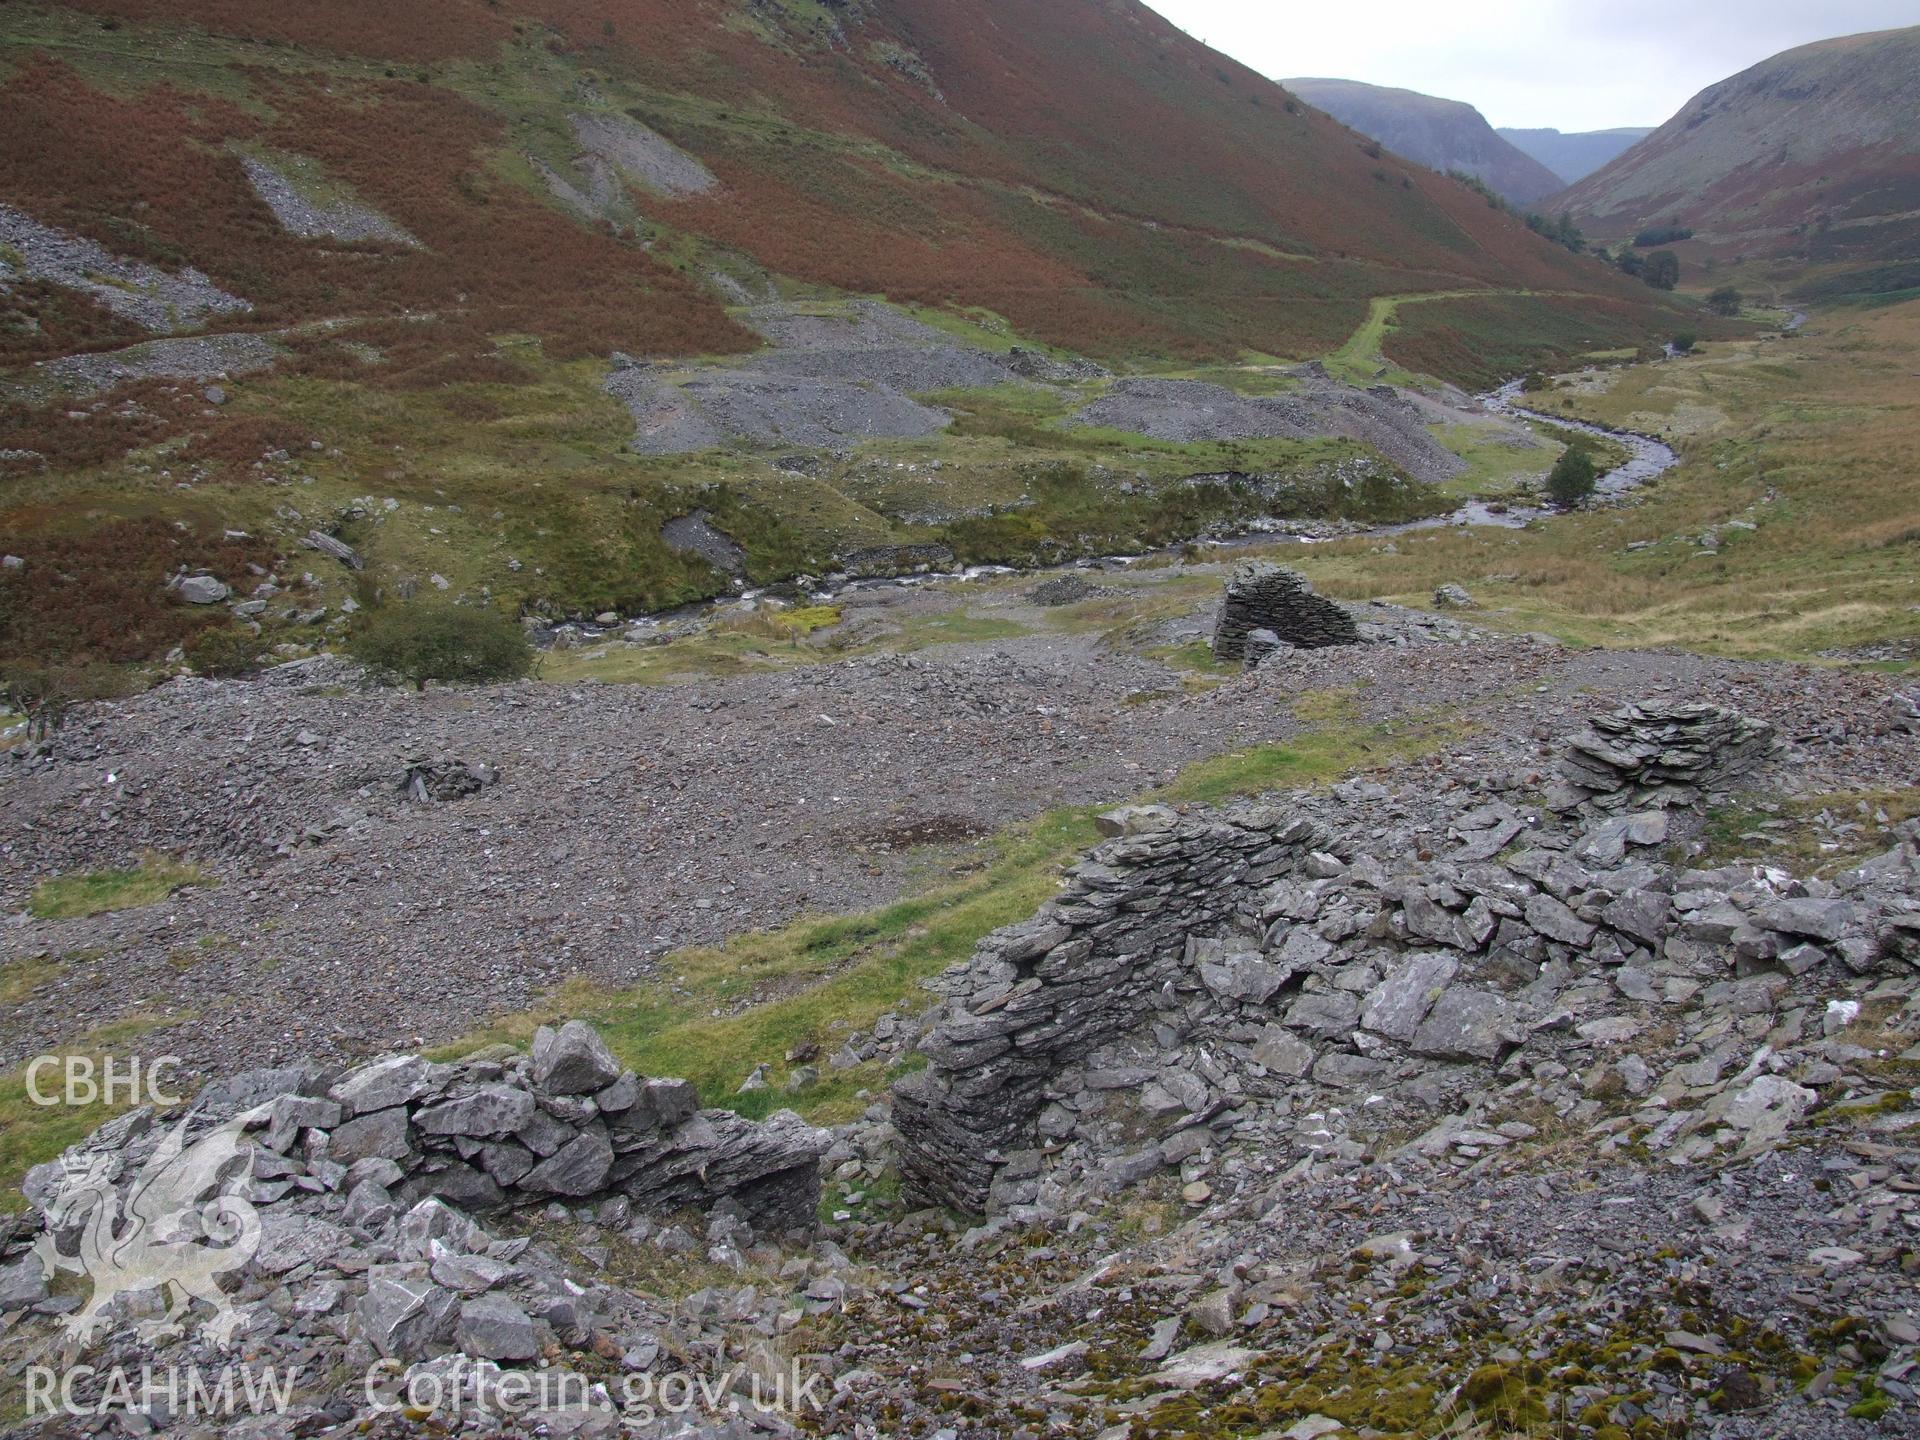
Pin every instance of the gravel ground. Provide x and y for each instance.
(1388, 1274)
(631, 821)
(339, 220)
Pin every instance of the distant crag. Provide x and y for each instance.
(1441, 134)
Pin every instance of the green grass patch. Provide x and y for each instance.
(31, 1133)
(955, 627)
(21, 978)
(1339, 743)
(808, 619)
(1496, 465)
(70, 897)
(1361, 360)
(1811, 835)
(765, 640)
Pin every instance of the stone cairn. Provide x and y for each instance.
(1265, 596)
(1654, 754)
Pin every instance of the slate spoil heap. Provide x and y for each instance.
(1418, 1107)
(1265, 596)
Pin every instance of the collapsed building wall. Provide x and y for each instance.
(1203, 961)
(1265, 596)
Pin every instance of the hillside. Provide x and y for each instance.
(487, 295)
(1441, 134)
(1812, 156)
(1035, 166)
(1574, 156)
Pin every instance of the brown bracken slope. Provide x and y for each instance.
(1082, 168)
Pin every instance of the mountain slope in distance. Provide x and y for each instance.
(1577, 155)
(1813, 156)
(1441, 134)
(1082, 169)
(528, 301)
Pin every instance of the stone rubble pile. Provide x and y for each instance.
(1658, 754)
(1066, 590)
(361, 1193)
(496, 1131)
(1202, 977)
(445, 777)
(1264, 596)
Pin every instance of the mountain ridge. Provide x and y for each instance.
(1026, 164)
(1813, 156)
(1443, 135)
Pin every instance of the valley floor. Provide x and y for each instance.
(739, 850)
(341, 918)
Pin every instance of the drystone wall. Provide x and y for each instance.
(1303, 950)
(1085, 970)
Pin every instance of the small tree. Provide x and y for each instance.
(45, 695)
(1663, 270)
(225, 652)
(1684, 342)
(1725, 301)
(451, 643)
(1574, 478)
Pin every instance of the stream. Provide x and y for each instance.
(1647, 459)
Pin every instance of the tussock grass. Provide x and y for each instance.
(1338, 744)
(1813, 440)
(31, 1133)
(70, 897)
(23, 977)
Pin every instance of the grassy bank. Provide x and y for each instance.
(1789, 528)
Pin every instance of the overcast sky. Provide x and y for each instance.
(1569, 64)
